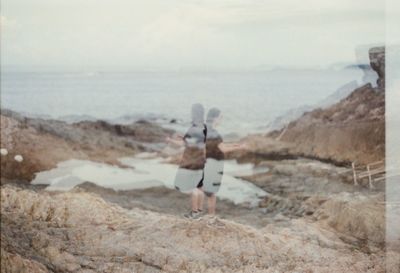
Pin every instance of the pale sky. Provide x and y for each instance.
(173, 34)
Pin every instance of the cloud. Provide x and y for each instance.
(189, 33)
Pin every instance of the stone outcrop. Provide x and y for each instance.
(44, 143)
(377, 61)
(80, 232)
(355, 216)
(352, 130)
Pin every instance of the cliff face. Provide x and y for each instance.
(350, 130)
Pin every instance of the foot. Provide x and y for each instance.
(209, 217)
(192, 215)
(214, 221)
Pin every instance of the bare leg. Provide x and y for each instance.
(194, 199)
(212, 202)
(200, 199)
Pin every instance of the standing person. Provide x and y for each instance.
(190, 174)
(214, 166)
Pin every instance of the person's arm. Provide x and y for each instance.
(229, 147)
(177, 140)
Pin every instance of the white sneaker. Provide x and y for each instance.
(214, 221)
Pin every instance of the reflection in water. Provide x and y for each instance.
(147, 173)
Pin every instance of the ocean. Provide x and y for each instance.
(249, 101)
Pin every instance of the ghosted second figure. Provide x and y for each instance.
(215, 154)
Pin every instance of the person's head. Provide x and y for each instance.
(213, 116)
(197, 114)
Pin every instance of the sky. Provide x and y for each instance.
(171, 34)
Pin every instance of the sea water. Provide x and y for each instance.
(248, 100)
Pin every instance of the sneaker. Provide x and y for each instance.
(201, 213)
(192, 215)
(214, 221)
(209, 217)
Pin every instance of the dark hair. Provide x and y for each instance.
(212, 115)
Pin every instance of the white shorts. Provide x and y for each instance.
(213, 172)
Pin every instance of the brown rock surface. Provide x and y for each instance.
(355, 215)
(80, 232)
(351, 130)
(44, 143)
(377, 61)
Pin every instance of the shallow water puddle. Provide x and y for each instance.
(148, 172)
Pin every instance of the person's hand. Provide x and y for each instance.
(238, 146)
(175, 140)
(171, 140)
(243, 145)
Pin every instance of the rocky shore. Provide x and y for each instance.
(352, 130)
(44, 143)
(313, 218)
(81, 232)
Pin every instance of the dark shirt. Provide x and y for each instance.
(213, 141)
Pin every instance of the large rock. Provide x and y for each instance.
(44, 143)
(356, 216)
(80, 232)
(377, 60)
(352, 130)
(40, 151)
